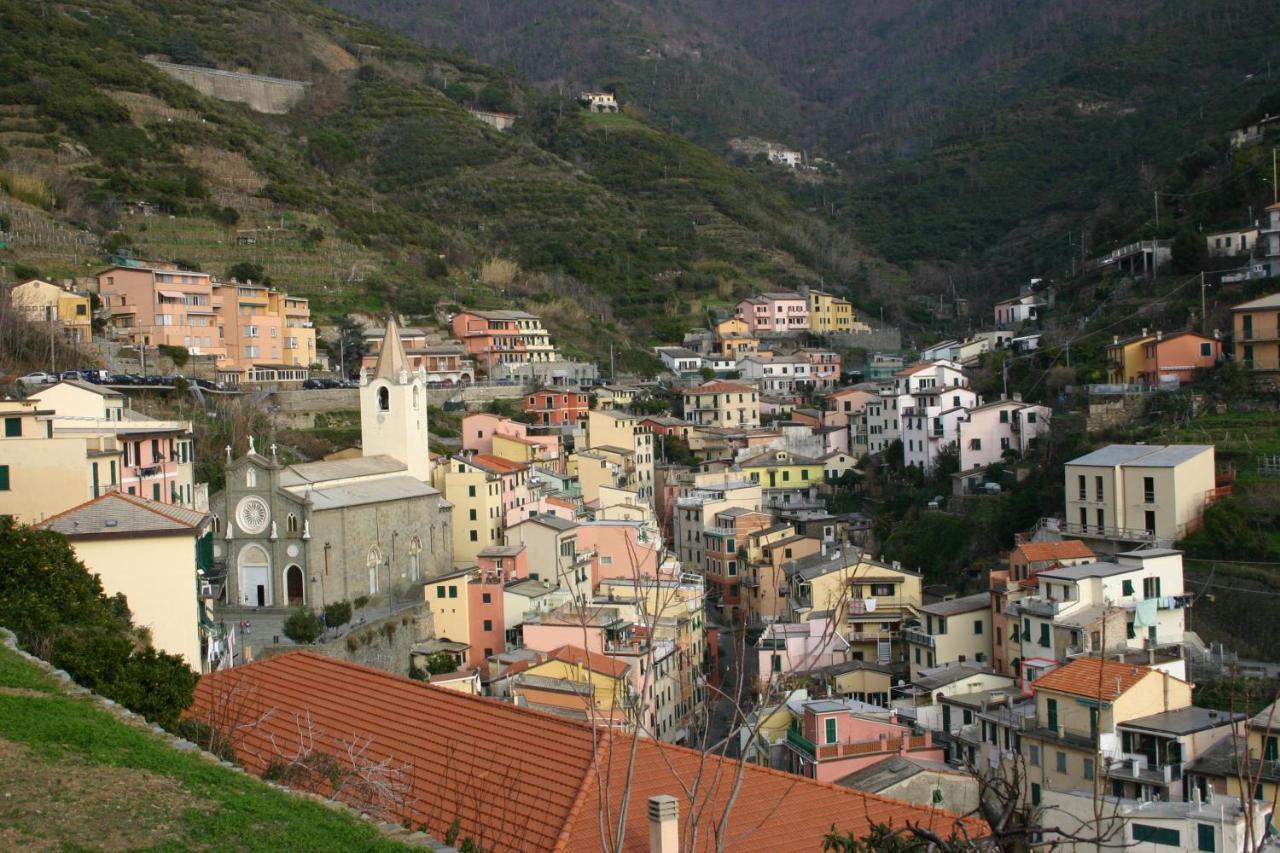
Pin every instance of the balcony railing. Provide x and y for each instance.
(914, 635)
(1131, 534)
(1041, 606)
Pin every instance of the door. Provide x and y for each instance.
(293, 586)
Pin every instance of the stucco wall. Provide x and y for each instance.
(262, 94)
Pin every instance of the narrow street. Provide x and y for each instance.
(734, 668)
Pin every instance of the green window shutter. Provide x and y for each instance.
(155, 491)
(1053, 714)
(1271, 748)
(1205, 837)
(4, 478)
(1156, 835)
(12, 427)
(1127, 587)
(831, 730)
(1128, 630)
(1035, 794)
(946, 718)
(1044, 634)
(95, 479)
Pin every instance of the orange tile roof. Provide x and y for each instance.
(1068, 549)
(496, 464)
(517, 779)
(1081, 677)
(591, 660)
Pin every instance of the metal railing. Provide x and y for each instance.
(914, 635)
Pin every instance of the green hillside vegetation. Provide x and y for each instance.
(378, 189)
(77, 778)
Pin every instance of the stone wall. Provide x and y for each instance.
(383, 644)
(262, 94)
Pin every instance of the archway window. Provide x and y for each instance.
(291, 523)
(255, 577)
(415, 558)
(415, 398)
(384, 400)
(251, 478)
(374, 563)
(217, 524)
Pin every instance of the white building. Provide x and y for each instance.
(994, 429)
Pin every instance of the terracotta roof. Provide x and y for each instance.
(719, 388)
(1068, 549)
(1081, 677)
(591, 660)
(517, 779)
(495, 464)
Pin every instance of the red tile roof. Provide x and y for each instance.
(719, 388)
(1081, 677)
(591, 660)
(517, 779)
(496, 464)
(1068, 549)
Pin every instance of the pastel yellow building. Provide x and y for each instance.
(781, 469)
(44, 302)
(1125, 359)
(298, 333)
(1078, 707)
(722, 404)
(956, 630)
(146, 551)
(628, 444)
(829, 314)
(579, 683)
(41, 473)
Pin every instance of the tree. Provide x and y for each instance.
(439, 663)
(1189, 251)
(349, 347)
(248, 271)
(303, 626)
(59, 612)
(495, 98)
(337, 613)
(331, 149)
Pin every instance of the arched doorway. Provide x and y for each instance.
(293, 586)
(255, 577)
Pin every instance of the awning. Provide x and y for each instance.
(173, 294)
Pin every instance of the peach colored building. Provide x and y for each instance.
(724, 567)
(503, 337)
(620, 549)
(553, 408)
(1177, 356)
(153, 306)
(824, 367)
(829, 741)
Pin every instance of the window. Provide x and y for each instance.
(1035, 793)
(1205, 837)
(1044, 635)
(831, 729)
(488, 626)
(1102, 519)
(1158, 835)
(1206, 350)
(440, 593)
(1149, 490)
(1034, 756)
(878, 589)
(975, 444)
(475, 536)
(1271, 748)
(1062, 762)
(12, 427)
(1097, 488)
(486, 598)
(777, 662)
(1126, 587)
(1004, 416)
(453, 592)
(999, 636)
(1084, 494)
(1128, 631)
(1088, 768)
(384, 400)
(472, 514)
(1151, 587)
(977, 627)
(471, 491)
(1052, 709)
(1151, 522)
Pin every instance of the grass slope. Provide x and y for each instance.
(77, 777)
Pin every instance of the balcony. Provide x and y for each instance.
(1045, 607)
(920, 638)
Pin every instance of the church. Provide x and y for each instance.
(313, 533)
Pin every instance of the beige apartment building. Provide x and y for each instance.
(954, 631)
(627, 445)
(1126, 494)
(722, 404)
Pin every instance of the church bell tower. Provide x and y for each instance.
(393, 408)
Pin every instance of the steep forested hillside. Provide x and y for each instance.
(378, 188)
(985, 135)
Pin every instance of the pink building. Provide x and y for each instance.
(157, 462)
(993, 430)
(779, 311)
(620, 549)
(503, 337)
(542, 504)
(487, 629)
(824, 367)
(829, 741)
(1177, 356)
(788, 647)
(513, 475)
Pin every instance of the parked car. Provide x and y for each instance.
(39, 377)
(71, 374)
(207, 384)
(120, 379)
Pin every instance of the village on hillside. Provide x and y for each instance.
(672, 557)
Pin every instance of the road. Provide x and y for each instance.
(723, 713)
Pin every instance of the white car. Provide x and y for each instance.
(38, 378)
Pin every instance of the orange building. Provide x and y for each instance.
(1177, 356)
(552, 408)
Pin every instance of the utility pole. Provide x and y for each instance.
(1004, 370)
(1275, 191)
(1204, 320)
(1156, 197)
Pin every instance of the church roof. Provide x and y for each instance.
(318, 473)
(391, 357)
(368, 492)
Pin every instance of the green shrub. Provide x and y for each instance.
(178, 355)
(337, 613)
(303, 626)
(361, 601)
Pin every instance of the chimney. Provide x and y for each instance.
(1115, 339)
(1144, 331)
(664, 824)
(1159, 335)
(1217, 334)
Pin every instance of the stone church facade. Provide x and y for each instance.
(318, 532)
